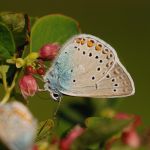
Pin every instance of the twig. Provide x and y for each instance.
(9, 89)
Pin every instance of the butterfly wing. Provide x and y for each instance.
(117, 83)
(86, 66)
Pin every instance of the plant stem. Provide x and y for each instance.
(5, 98)
(9, 90)
(4, 81)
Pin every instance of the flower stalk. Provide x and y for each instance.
(8, 89)
(3, 74)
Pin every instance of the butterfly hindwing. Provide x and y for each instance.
(117, 83)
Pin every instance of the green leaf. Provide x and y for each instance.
(18, 24)
(4, 54)
(7, 45)
(44, 130)
(33, 21)
(52, 28)
(98, 131)
(106, 125)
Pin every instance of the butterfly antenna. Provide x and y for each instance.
(57, 108)
(38, 78)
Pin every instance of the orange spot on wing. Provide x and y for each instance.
(90, 43)
(98, 47)
(82, 41)
(78, 40)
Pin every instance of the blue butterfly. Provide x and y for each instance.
(88, 67)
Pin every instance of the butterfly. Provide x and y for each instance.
(87, 66)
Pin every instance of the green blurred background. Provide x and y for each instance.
(123, 24)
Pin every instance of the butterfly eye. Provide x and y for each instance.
(55, 96)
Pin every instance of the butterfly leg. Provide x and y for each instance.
(42, 90)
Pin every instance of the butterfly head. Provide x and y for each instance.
(56, 95)
(51, 86)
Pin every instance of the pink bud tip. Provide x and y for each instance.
(66, 142)
(49, 51)
(122, 116)
(131, 138)
(28, 86)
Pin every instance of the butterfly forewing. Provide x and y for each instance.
(88, 66)
(90, 60)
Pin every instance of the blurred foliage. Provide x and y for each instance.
(20, 36)
(44, 130)
(18, 24)
(7, 45)
(100, 129)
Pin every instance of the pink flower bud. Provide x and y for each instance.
(28, 86)
(122, 116)
(131, 138)
(49, 51)
(129, 135)
(66, 142)
(137, 121)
